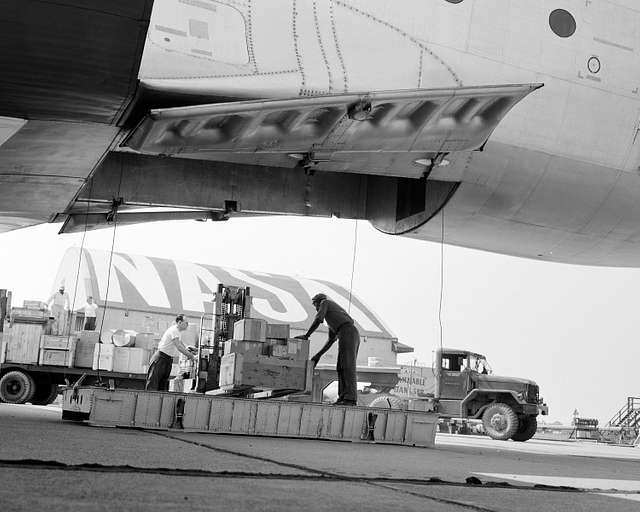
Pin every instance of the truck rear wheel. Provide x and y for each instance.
(45, 394)
(527, 427)
(500, 421)
(17, 387)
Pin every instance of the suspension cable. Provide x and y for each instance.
(441, 275)
(353, 263)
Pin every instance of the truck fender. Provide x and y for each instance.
(475, 392)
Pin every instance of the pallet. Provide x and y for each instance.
(241, 416)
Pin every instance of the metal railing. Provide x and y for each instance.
(628, 415)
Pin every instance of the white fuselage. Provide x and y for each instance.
(287, 48)
(577, 135)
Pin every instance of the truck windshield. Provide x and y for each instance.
(479, 364)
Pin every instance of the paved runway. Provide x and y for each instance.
(48, 464)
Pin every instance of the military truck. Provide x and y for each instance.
(461, 384)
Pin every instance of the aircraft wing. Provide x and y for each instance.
(374, 133)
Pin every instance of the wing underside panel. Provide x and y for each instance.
(373, 133)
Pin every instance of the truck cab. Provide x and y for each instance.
(466, 387)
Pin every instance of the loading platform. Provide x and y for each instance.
(188, 412)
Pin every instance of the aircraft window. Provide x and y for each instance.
(562, 23)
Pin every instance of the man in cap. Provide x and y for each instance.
(59, 304)
(170, 346)
(342, 328)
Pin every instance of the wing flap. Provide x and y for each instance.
(331, 128)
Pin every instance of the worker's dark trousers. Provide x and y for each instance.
(348, 344)
(159, 371)
(90, 323)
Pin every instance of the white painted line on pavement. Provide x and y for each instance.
(632, 497)
(578, 483)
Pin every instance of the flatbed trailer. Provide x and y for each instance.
(68, 376)
(39, 384)
(188, 412)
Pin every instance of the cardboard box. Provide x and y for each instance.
(49, 341)
(261, 372)
(294, 349)
(130, 360)
(84, 354)
(245, 347)
(298, 349)
(279, 351)
(103, 357)
(278, 331)
(250, 329)
(53, 357)
(121, 360)
(138, 360)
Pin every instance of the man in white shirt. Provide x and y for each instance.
(59, 304)
(170, 346)
(90, 313)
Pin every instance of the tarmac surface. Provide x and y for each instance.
(48, 464)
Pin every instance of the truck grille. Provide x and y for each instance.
(532, 394)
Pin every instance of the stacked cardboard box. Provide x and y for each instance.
(250, 329)
(294, 349)
(245, 347)
(263, 356)
(278, 331)
(120, 359)
(103, 357)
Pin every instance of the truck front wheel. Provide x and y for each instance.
(500, 421)
(526, 428)
(17, 387)
(386, 402)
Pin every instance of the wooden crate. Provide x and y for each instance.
(250, 329)
(21, 315)
(261, 372)
(58, 342)
(84, 354)
(35, 304)
(53, 357)
(22, 344)
(89, 336)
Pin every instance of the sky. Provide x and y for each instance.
(571, 329)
